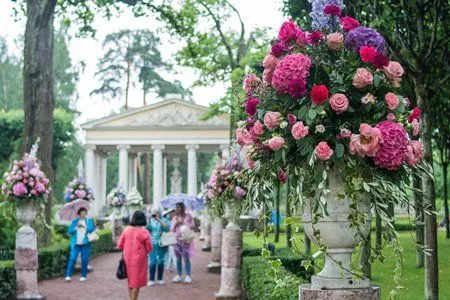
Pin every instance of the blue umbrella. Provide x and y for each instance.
(190, 202)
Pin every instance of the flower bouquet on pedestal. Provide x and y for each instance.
(116, 199)
(78, 189)
(134, 200)
(327, 112)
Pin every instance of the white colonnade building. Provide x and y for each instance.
(168, 126)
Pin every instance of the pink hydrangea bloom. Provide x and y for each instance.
(293, 67)
(393, 149)
(270, 62)
(367, 142)
(299, 130)
(40, 188)
(19, 189)
(415, 153)
(272, 119)
(276, 143)
(323, 151)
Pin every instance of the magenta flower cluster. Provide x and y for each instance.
(78, 189)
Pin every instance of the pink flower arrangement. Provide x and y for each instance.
(292, 67)
(78, 189)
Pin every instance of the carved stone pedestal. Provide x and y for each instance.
(216, 246)
(308, 293)
(116, 227)
(230, 275)
(26, 255)
(207, 231)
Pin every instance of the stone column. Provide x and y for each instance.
(157, 173)
(207, 232)
(192, 169)
(90, 172)
(132, 167)
(123, 166)
(165, 175)
(216, 245)
(225, 149)
(230, 274)
(103, 175)
(26, 254)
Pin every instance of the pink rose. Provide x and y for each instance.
(339, 103)
(270, 62)
(390, 117)
(272, 119)
(258, 128)
(362, 78)
(292, 119)
(366, 143)
(288, 31)
(323, 151)
(240, 133)
(391, 100)
(394, 71)
(299, 130)
(250, 162)
(335, 41)
(415, 153)
(276, 143)
(345, 133)
(416, 127)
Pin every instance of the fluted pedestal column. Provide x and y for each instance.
(230, 275)
(207, 232)
(123, 167)
(192, 169)
(216, 246)
(308, 293)
(157, 174)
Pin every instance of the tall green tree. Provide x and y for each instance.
(11, 93)
(131, 55)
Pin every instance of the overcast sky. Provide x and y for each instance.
(255, 13)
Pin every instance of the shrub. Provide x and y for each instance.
(259, 285)
(7, 279)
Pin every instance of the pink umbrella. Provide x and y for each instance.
(69, 211)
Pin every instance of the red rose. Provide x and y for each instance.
(414, 115)
(315, 37)
(349, 23)
(319, 94)
(367, 53)
(278, 49)
(380, 61)
(333, 10)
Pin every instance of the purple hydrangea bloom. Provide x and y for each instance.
(364, 36)
(321, 21)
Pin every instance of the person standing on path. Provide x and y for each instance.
(171, 261)
(79, 243)
(182, 225)
(136, 244)
(156, 226)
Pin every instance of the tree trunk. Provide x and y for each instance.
(447, 223)
(431, 261)
(277, 215)
(127, 89)
(307, 245)
(365, 257)
(418, 203)
(38, 95)
(378, 232)
(288, 215)
(144, 97)
(147, 178)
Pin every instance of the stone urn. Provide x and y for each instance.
(26, 213)
(231, 214)
(336, 233)
(117, 211)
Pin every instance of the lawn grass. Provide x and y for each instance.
(412, 279)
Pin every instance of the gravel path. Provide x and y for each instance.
(103, 285)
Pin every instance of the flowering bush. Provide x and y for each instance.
(134, 198)
(330, 96)
(116, 198)
(226, 182)
(26, 181)
(78, 189)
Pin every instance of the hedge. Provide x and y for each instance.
(52, 262)
(258, 285)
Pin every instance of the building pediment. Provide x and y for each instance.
(164, 114)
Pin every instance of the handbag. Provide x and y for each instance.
(92, 237)
(187, 234)
(121, 269)
(167, 239)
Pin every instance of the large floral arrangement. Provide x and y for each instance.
(78, 189)
(226, 182)
(116, 198)
(134, 198)
(330, 96)
(26, 181)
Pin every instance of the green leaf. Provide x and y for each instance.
(283, 155)
(306, 150)
(376, 80)
(302, 112)
(312, 113)
(339, 150)
(306, 264)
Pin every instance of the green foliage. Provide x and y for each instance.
(7, 278)
(8, 225)
(11, 78)
(258, 285)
